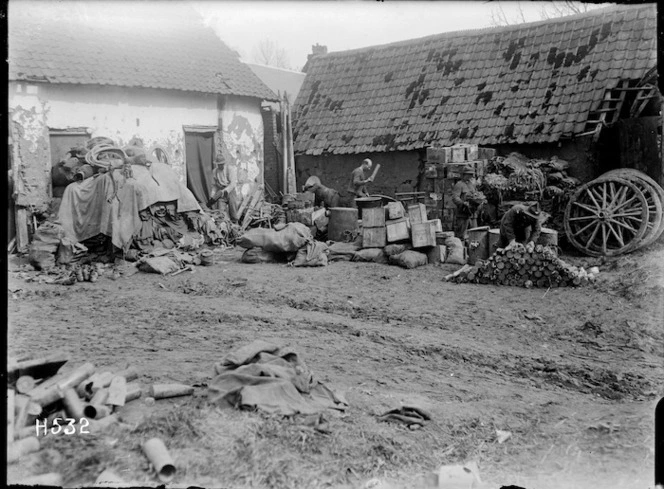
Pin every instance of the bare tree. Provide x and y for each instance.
(268, 52)
(550, 10)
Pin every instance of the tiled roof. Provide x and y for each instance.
(135, 48)
(279, 80)
(530, 83)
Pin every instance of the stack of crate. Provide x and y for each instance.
(449, 163)
(374, 230)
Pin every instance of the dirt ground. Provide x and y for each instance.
(572, 374)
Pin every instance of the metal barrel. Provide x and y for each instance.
(73, 404)
(133, 392)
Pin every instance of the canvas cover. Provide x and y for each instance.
(109, 203)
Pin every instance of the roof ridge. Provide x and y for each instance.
(482, 30)
(274, 68)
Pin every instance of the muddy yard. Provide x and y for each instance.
(572, 374)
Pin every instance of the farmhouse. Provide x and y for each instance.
(167, 81)
(582, 88)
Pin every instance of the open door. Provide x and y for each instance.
(199, 157)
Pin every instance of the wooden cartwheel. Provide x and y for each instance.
(607, 217)
(654, 195)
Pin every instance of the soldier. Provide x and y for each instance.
(223, 189)
(520, 224)
(465, 210)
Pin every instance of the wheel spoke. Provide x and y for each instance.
(593, 199)
(623, 225)
(631, 199)
(592, 236)
(613, 231)
(582, 218)
(583, 229)
(603, 239)
(586, 207)
(631, 227)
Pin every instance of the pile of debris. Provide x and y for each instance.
(43, 402)
(524, 266)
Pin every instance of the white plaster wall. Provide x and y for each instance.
(155, 116)
(242, 136)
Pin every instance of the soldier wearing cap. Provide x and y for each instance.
(466, 213)
(521, 224)
(358, 183)
(324, 196)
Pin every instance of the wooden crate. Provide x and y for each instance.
(395, 210)
(304, 216)
(439, 155)
(472, 152)
(458, 154)
(438, 224)
(417, 213)
(486, 153)
(423, 234)
(373, 217)
(374, 237)
(397, 230)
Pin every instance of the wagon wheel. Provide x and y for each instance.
(654, 195)
(606, 217)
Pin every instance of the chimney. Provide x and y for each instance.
(316, 50)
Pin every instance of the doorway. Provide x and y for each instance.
(199, 160)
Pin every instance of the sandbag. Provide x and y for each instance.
(376, 255)
(409, 259)
(314, 254)
(291, 238)
(456, 252)
(259, 255)
(396, 248)
(158, 264)
(338, 251)
(42, 255)
(50, 233)
(66, 252)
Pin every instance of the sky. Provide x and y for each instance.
(348, 24)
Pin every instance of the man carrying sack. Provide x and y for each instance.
(223, 189)
(324, 196)
(466, 211)
(521, 224)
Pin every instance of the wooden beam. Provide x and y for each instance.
(22, 235)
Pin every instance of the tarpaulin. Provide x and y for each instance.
(109, 203)
(265, 376)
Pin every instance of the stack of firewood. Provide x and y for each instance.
(521, 266)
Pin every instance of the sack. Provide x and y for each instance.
(409, 259)
(456, 252)
(396, 248)
(42, 255)
(376, 255)
(66, 252)
(259, 255)
(291, 238)
(50, 233)
(339, 251)
(158, 264)
(314, 254)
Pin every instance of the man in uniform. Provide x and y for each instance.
(223, 189)
(521, 224)
(358, 182)
(325, 196)
(466, 211)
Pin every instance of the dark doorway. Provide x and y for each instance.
(199, 148)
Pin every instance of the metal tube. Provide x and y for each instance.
(161, 460)
(73, 404)
(162, 391)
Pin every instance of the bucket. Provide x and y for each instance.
(207, 258)
(478, 244)
(494, 239)
(342, 219)
(368, 202)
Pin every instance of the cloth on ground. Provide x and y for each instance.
(271, 378)
(313, 254)
(407, 415)
(110, 203)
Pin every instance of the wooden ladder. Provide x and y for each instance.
(608, 111)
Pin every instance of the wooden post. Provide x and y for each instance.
(291, 155)
(284, 145)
